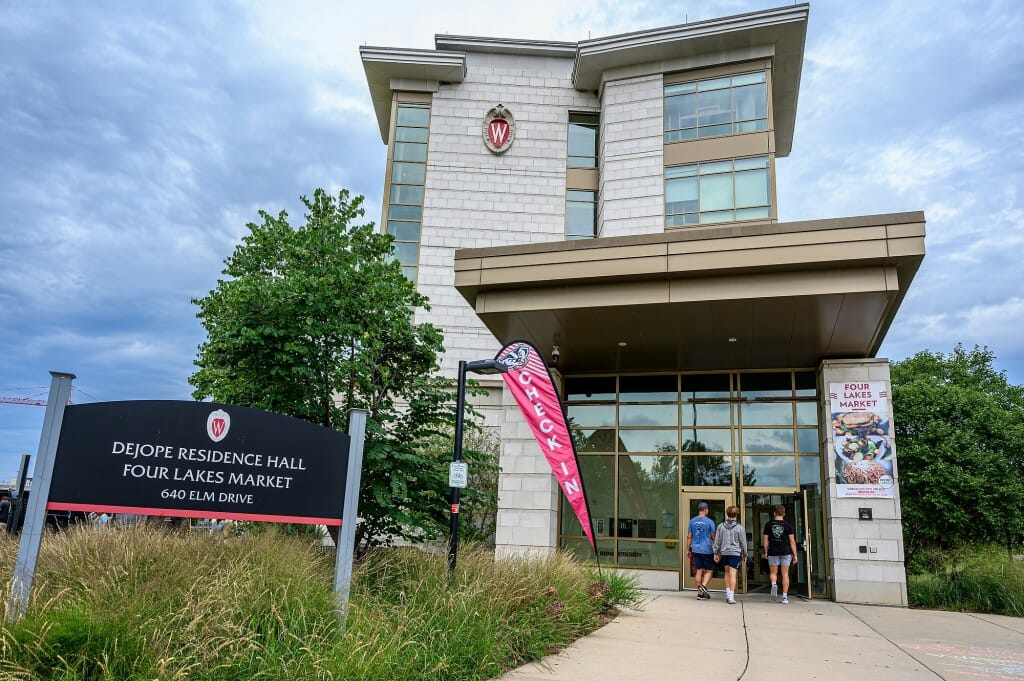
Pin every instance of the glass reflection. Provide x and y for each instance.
(648, 415)
(648, 440)
(708, 470)
(769, 471)
(648, 496)
(706, 440)
(768, 440)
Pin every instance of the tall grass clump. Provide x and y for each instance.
(148, 604)
(972, 579)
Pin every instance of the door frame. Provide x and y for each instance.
(686, 580)
(803, 545)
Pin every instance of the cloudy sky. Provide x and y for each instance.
(137, 139)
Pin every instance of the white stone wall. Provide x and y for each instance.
(477, 199)
(632, 196)
(527, 491)
(877, 576)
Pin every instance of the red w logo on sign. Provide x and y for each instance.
(498, 132)
(217, 425)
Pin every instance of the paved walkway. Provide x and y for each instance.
(677, 637)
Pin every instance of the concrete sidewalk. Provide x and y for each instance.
(677, 637)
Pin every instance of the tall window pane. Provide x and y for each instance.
(752, 188)
(583, 129)
(716, 192)
(580, 215)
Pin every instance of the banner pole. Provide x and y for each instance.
(347, 533)
(35, 517)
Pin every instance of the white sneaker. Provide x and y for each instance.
(730, 600)
(785, 599)
(775, 592)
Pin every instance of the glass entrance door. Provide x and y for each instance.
(757, 511)
(717, 503)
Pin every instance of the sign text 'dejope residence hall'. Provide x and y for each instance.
(197, 459)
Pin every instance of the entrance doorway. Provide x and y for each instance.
(717, 503)
(757, 511)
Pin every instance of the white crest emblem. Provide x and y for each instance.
(217, 425)
(499, 129)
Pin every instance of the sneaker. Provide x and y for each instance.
(785, 599)
(703, 597)
(703, 591)
(730, 600)
(775, 592)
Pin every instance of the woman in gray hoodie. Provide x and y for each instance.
(730, 548)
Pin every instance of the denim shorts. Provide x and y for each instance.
(780, 560)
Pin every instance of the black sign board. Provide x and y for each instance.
(198, 460)
(864, 513)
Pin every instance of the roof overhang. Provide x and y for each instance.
(383, 65)
(532, 48)
(790, 294)
(783, 30)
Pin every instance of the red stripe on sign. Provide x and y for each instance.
(180, 513)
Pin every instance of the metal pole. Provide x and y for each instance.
(460, 407)
(35, 518)
(347, 532)
(17, 500)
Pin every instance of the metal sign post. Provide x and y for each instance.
(35, 518)
(347, 532)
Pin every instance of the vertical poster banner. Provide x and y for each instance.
(864, 453)
(528, 379)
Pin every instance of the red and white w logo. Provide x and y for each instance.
(498, 130)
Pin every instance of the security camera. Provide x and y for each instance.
(555, 354)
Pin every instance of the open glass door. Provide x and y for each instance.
(803, 546)
(717, 503)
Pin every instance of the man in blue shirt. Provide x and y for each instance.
(700, 534)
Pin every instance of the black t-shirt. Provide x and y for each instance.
(778, 532)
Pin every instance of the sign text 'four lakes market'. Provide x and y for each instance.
(198, 459)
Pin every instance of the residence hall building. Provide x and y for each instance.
(614, 201)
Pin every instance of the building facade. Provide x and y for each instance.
(613, 201)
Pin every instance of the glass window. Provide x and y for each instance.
(810, 470)
(706, 440)
(766, 384)
(698, 386)
(594, 439)
(649, 388)
(648, 440)
(581, 549)
(600, 388)
(591, 415)
(706, 414)
(807, 440)
(705, 470)
(410, 134)
(406, 252)
(648, 488)
(405, 193)
(580, 214)
(768, 440)
(721, 191)
(807, 413)
(648, 553)
(767, 413)
(413, 115)
(404, 231)
(598, 475)
(403, 212)
(806, 384)
(408, 173)
(769, 471)
(583, 129)
(648, 415)
(716, 106)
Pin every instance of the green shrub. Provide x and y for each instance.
(975, 579)
(146, 604)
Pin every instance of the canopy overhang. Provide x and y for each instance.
(727, 297)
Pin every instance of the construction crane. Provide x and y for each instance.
(30, 401)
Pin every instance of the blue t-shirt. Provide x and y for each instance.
(701, 528)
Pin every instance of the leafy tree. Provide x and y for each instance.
(959, 429)
(316, 320)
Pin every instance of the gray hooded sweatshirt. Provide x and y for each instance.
(731, 539)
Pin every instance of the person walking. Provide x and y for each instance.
(730, 547)
(5, 510)
(700, 535)
(780, 547)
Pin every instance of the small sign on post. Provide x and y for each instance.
(458, 474)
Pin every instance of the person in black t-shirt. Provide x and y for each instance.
(780, 547)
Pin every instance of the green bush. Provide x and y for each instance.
(146, 604)
(975, 579)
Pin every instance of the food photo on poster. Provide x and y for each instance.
(864, 454)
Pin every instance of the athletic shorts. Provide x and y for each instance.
(731, 561)
(780, 560)
(704, 561)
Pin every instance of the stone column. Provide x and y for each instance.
(527, 491)
(866, 555)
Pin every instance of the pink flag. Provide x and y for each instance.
(529, 381)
